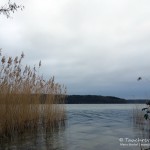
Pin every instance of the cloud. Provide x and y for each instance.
(94, 47)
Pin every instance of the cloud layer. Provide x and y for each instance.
(93, 47)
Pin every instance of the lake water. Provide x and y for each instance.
(88, 127)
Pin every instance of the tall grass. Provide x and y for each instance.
(22, 90)
(140, 122)
(142, 125)
(138, 116)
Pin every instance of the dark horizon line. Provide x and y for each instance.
(109, 96)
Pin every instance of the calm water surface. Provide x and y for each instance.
(88, 127)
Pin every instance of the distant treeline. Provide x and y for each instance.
(137, 101)
(93, 99)
(89, 99)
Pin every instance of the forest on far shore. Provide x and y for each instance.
(95, 99)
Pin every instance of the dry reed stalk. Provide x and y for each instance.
(22, 92)
(138, 115)
(140, 122)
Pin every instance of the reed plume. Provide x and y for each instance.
(26, 99)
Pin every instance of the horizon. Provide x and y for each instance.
(111, 96)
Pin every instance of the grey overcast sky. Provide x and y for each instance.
(92, 46)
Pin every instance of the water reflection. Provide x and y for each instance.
(88, 127)
(42, 139)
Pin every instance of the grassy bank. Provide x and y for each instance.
(21, 89)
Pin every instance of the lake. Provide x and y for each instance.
(88, 127)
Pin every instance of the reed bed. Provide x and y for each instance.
(140, 122)
(138, 116)
(26, 99)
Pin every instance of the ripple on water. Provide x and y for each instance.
(88, 127)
